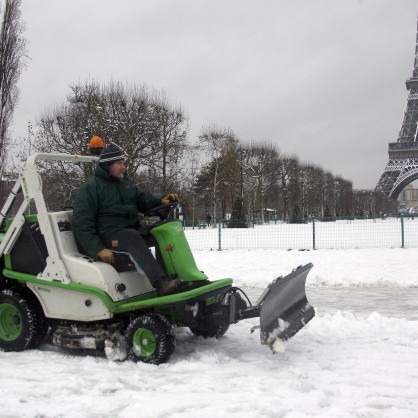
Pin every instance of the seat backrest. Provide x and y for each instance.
(63, 233)
(29, 253)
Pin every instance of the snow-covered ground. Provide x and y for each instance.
(360, 360)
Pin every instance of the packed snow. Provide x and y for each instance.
(356, 358)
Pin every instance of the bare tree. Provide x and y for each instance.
(12, 62)
(170, 128)
(343, 197)
(140, 121)
(314, 192)
(189, 194)
(219, 143)
(328, 194)
(261, 174)
(287, 172)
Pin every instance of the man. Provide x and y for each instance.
(105, 217)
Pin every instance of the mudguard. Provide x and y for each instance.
(285, 308)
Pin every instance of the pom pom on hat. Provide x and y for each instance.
(109, 155)
(96, 145)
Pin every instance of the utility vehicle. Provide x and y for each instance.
(50, 290)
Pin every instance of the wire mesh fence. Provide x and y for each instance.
(338, 234)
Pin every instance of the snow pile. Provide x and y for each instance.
(382, 267)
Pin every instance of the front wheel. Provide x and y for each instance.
(150, 339)
(22, 325)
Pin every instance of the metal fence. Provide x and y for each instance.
(338, 234)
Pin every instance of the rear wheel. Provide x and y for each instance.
(22, 324)
(150, 339)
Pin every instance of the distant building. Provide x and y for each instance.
(408, 199)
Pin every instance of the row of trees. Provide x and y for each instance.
(218, 174)
(259, 183)
(256, 181)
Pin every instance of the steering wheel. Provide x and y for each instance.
(162, 211)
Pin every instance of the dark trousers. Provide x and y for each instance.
(132, 242)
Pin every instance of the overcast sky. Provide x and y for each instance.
(323, 79)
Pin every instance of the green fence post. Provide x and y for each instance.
(313, 233)
(403, 233)
(219, 237)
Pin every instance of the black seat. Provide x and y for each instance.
(29, 252)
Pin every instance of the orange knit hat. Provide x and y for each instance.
(96, 145)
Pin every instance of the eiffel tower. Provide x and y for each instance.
(402, 167)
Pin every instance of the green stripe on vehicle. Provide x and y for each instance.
(139, 302)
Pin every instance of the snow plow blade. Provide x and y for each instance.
(284, 308)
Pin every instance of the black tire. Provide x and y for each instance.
(208, 330)
(41, 323)
(22, 324)
(150, 338)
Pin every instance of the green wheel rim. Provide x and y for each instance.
(143, 342)
(10, 322)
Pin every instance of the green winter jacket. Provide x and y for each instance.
(104, 205)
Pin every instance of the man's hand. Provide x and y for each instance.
(169, 198)
(107, 256)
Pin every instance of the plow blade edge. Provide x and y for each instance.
(285, 309)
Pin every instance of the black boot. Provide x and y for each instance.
(165, 286)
